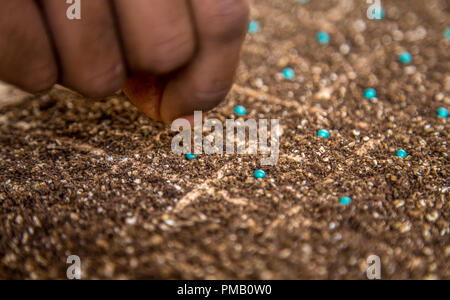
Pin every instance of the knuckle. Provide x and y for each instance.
(226, 19)
(102, 84)
(168, 53)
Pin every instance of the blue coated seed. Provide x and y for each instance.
(323, 133)
(253, 27)
(406, 57)
(259, 174)
(378, 13)
(240, 110)
(323, 38)
(190, 156)
(447, 33)
(442, 112)
(345, 200)
(289, 73)
(401, 153)
(370, 93)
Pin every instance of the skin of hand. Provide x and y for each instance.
(171, 57)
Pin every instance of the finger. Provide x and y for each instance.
(221, 27)
(145, 92)
(89, 49)
(25, 48)
(157, 35)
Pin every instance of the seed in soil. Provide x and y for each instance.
(345, 200)
(442, 112)
(323, 38)
(378, 13)
(323, 133)
(240, 110)
(289, 73)
(401, 153)
(259, 174)
(406, 57)
(370, 93)
(253, 27)
(190, 156)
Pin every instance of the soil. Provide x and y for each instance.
(98, 179)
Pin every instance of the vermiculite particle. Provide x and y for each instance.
(323, 133)
(442, 112)
(370, 93)
(345, 200)
(190, 156)
(259, 174)
(289, 73)
(406, 57)
(401, 153)
(240, 110)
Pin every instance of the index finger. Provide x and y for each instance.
(205, 82)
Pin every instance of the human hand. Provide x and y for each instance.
(178, 55)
